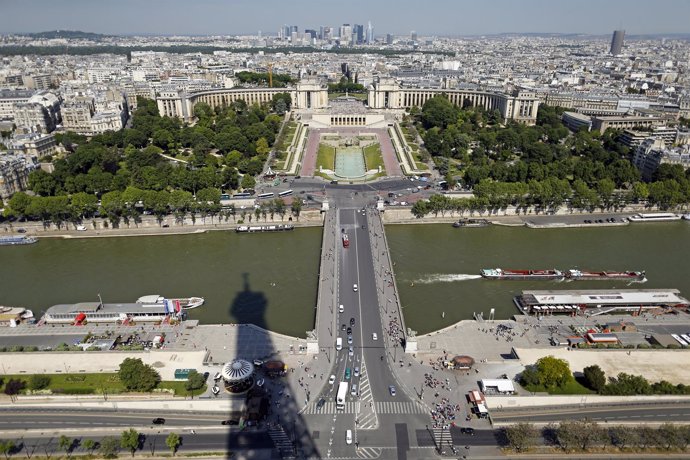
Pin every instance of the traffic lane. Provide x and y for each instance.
(71, 419)
(629, 414)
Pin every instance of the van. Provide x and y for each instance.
(341, 309)
(348, 437)
(339, 343)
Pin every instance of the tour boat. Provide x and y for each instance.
(181, 303)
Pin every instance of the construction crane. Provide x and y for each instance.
(270, 75)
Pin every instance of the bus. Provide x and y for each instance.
(265, 195)
(242, 195)
(285, 193)
(342, 394)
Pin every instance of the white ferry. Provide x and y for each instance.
(654, 217)
(176, 304)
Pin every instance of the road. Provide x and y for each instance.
(632, 413)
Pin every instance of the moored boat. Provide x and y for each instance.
(654, 217)
(574, 274)
(264, 228)
(17, 240)
(186, 303)
(501, 274)
(471, 223)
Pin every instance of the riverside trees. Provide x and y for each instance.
(594, 169)
(224, 144)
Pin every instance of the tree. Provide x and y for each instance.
(131, 440)
(67, 444)
(7, 447)
(595, 378)
(42, 183)
(137, 376)
(438, 112)
(90, 445)
(108, 447)
(553, 372)
(296, 207)
(248, 182)
(622, 436)
(173, 441)
(194, 381)
(14, 386)
(39, 382)
(521, 436)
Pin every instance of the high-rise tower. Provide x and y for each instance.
(617, 42)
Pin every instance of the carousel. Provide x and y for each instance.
(238, 376)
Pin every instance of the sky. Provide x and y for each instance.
(398, 17)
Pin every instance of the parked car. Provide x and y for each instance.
(374, 336)
(81, 228)
(342, 327)
(230, 422)
(158, 421)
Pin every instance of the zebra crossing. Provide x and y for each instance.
(395, 407)
(369, 452)
(282, 442)
(366, 419)
(357, 407)
(442, 437)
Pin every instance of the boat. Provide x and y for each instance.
(500, 274)
(471, 223)
(686, 216)
(346, 241)
(654, 217)
(178, 304)
(264, 228)
(17, 240)
(574, 274)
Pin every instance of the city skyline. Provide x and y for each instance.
(241, 17)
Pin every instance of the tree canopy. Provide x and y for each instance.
(137, 376)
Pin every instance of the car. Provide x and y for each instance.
(260, 383)
(354, 287)
(217, 376)
(349, 340)
(320, 403)
(352, 321)
(331, 380)
(353, 390)
(363, 227)
(258, 363)
(374, 336)
(348, 437)
(351, 351)
(21, 230)
(334, 182)
(341, 309)
(230, 422)
(166, 225)
(158, 421)
(349, 330)
(342, 327)
(356, 371)
(81, 228)
(348, 373)
(467, 430)
(391, 390)
(206, 374)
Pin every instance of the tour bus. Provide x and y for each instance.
(339, 343)
(340, 397)
(242, 195)
(266, 195)
(285, 193)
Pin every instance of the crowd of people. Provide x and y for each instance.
(443, 416)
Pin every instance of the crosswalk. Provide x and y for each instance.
(442, 437)
(369, 452)
(357, 407)
(366, 418)
(281, 441)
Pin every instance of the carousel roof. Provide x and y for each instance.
(237, 370)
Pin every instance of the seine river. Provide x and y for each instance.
(437, 266)
(271, 279)
(268, 279)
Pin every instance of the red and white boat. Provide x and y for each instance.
(174, 305)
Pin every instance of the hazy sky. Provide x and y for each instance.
(441, 17)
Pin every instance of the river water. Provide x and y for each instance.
(437, 266)
(269, 279)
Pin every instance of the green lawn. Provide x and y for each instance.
(571, 388)
(325, 157)
(95, 383)
(373, 157)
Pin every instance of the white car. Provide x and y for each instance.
(331, 380)
(356, 371)
(354, 287)
(81, 228)
(348, 437)
(374, 336)
(353, 391)
(351, 351)
(341, 309)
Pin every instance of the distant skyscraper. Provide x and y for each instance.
(389, 39)
(370, 33)
(617, 42)
(345, 34)
(413, 36)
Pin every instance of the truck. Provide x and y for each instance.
(341, 395)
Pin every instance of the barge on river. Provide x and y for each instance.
(501, 274)
(471, 223)
(599, 301)
(264, 228)
(579, 275)
(17, 240)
